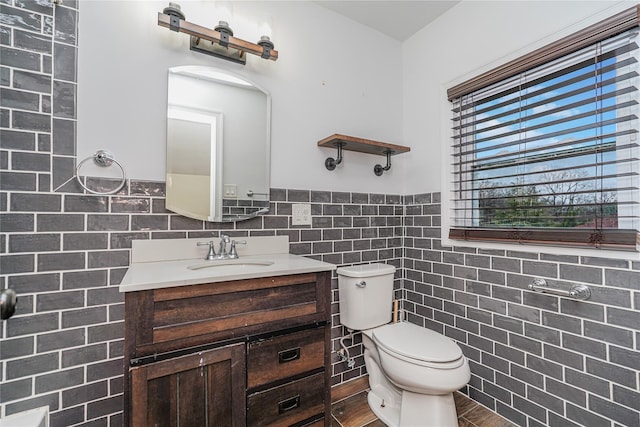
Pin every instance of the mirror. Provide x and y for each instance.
(218, 145)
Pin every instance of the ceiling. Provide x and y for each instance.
(399, 19)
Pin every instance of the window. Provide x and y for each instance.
(545, 148)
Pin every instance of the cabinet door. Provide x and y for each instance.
(201, 389)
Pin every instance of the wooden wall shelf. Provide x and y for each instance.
(352, 143)
(361, 145)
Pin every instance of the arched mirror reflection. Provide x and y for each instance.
(218, 145)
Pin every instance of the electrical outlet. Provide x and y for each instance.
(230, 190)
(301, 214)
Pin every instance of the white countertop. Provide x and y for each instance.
(156, 275)
(169, 273)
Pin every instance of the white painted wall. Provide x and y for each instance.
(332, 76)
(473, 37)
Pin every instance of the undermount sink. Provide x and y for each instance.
(231, 264)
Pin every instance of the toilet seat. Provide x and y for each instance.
(418, 345)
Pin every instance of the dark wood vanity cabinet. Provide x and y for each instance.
(252, 352)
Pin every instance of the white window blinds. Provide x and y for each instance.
(550, 154)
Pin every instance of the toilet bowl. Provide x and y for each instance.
(420, 369)
(413, 371)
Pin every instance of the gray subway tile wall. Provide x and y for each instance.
(536, 359)
(76, 309)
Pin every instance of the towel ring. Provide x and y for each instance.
(103, 159)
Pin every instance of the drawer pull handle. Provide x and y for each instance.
(289, 404)
(289, 355)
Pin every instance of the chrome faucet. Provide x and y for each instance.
(211, 255)
(232, 253)
(222, 250)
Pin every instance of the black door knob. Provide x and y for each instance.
(8, 301)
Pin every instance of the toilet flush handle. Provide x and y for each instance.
(361, 284)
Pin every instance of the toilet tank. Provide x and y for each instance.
(366, 295)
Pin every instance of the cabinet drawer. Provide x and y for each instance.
(169, 319)
(288, 404)
(315, 423)
(284, 356)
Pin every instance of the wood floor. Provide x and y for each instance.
(354, 411)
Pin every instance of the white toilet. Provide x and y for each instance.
(413, 371)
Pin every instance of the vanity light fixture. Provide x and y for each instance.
(218, 42)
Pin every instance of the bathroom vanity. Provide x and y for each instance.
(226, 342)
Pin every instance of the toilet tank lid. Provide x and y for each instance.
(366, 270)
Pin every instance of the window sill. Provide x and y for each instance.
(538, 248)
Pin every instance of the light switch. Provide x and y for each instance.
(230, 190)
(301, 214)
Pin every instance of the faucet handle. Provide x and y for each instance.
(233, 253)
(212, 253)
